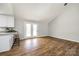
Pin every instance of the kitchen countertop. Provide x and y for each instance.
(6, 33)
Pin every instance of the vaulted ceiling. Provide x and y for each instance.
(33, 11)
(38, 11)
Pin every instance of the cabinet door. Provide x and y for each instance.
(6, 8)
(3, 20)
(10, 21)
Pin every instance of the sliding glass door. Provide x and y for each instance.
(31, 30)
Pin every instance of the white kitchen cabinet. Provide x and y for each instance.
(6, 8)
(3, 21)
(6, 21)
(10, 21)
(6, 42)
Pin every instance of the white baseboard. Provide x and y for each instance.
(33, 37)
(52, 36)
(66, 39)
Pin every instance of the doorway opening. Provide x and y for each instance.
(30, 30)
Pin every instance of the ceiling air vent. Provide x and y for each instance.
(65, 4)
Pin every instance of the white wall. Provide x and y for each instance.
(42, 27)
(66, 26)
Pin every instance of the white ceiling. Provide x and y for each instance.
(38, 11)
(34, 11)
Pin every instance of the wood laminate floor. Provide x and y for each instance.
(45, 46)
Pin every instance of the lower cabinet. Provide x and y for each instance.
(6, 42)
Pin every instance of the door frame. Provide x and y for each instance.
(31, 29)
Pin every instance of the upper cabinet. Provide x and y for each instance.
(6, 15)
(6, 8)
(10, 21)
(6, 21)
(3, 21)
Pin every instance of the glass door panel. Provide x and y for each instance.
(34, 30)
(28, 30)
